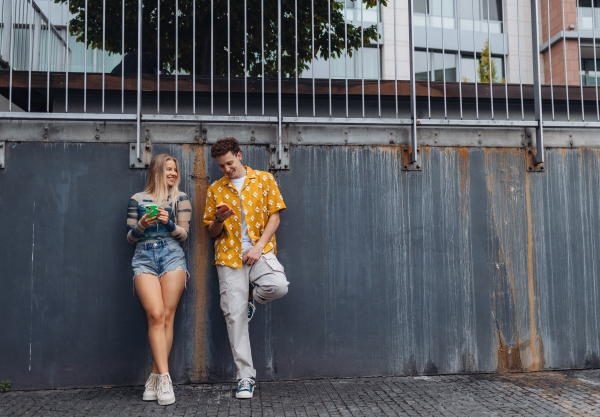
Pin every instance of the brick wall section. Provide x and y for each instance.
(556, 26)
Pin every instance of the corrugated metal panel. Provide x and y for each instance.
(472, 265)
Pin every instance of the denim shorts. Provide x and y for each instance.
(158, 258)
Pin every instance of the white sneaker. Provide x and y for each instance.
(151, 386)
(165, 392)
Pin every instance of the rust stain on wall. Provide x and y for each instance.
(535, 358)
(463, 154)
(200, 181)
(507, 184)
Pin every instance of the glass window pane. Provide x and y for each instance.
(449, 64)
(466, 9)
(495, 9)
(467, 69)
(420, 6)
(421, 65)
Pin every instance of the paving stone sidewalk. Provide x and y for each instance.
(566, 393)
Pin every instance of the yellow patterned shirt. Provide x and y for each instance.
(260, 199)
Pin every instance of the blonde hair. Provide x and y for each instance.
(157, 181)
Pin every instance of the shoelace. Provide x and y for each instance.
(151, 383)
(244, 384)
(164, 386)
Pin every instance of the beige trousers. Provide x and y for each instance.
(270, 283)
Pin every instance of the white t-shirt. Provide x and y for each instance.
(246, 242)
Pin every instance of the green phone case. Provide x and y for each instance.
(152, 210)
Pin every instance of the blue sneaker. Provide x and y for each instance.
(245, 388)
(251, 310)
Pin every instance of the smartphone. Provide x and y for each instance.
(152, 210)
(222, 208)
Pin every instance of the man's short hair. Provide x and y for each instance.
(222, 146)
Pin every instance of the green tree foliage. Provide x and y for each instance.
(484, 65)
(203, 35)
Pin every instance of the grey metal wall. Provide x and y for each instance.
(472, 265)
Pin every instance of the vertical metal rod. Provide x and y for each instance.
(456, 13)
(228, 60)
(211, 57)
(194, 57)
(11, 53)
(427, 58)
(490, 60)
(29, 33)
(2, 34)
(158, 65)
(443, 61)
(85, 63)
(519, 52)
(176, 57)
(18, 37)
(24, 20)
(48, 58)
(579, 60)
(504, 57)
(103, 47)
(378, 62)
(413, 99)
(68, 62)
(475, 62)
(595, 64)
(279, 141)
(550, 57)
(537, 85)
(329, 49)
(123, 57)
(296, 47)
(346, 50)
(30, 55)
(565, 57)
(245, 62)
(139, 81)
(312, 63)
(362, 58)
(396, 60)
(262, 52)
(17, 21)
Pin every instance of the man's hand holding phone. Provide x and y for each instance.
(223, 212)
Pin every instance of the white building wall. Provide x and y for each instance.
(402, 49)
(512, 59)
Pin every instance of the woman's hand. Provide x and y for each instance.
(163, 216)
(148, 221)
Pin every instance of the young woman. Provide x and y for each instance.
(159, 267)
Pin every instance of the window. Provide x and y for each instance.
(436, 66)
(353, 12)
(468, 70)
(584, 17)
(588, 76)
(432, 11)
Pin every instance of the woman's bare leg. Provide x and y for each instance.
(172, 284)
(149, 290)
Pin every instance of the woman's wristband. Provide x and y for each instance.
(217, 220)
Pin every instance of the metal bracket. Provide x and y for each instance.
(2, 155)
(276, 164)
(531, 164)
(145, 155)
(406, 164)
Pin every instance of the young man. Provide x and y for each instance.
(245, 249)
